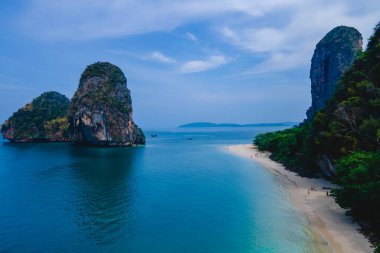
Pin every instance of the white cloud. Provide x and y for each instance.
(202, 65)
(290, 44)
(279, 61)
(192, 37)
(158, 56)
(277, 30)
(91, 19)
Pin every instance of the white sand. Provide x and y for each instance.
(332, 230)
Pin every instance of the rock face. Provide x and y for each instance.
(42, 120)
(100, 112)
(332, 56)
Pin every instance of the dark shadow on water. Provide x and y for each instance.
(43, 146)
(95, 186)
(104, 191)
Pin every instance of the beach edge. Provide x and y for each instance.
(332, 230)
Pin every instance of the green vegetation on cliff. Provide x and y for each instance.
(103, 70)
(44, 119)
(100, 111)
(290, 147)
(343, 140)
(101, 85)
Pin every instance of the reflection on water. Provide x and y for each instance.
(76, 197)
(173, 195)
(103, 192)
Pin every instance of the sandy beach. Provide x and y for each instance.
(332, 230)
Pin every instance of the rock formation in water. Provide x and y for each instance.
(42, 120)
(100, 112)
(332, 56)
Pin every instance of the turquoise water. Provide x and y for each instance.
(180, 193)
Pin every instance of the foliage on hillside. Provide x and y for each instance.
(39, 119)
(291, 147)
(347, 131)
(99, 86)
(57, 127)
(103, 70)
(100, 112)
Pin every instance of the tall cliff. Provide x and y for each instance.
(42, 120)
(342, 141)
(100, 111)
(332, 56)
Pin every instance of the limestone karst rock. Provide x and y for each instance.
(100, 111)
(42, 120)
(332, 56)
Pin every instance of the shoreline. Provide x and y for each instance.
(332, 230)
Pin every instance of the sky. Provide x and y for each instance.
(240, 61)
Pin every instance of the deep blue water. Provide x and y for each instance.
(172, 195)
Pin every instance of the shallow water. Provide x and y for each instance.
(182, 192)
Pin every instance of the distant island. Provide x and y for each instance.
(208, 124)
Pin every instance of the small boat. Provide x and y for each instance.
(189, 139)
(153, 135)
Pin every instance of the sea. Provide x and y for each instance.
(182, 192)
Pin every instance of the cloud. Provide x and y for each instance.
(277, 31)
(212, 62)
(192, 37)
(290, 44)
(92, 19)
(279, 61)
(157, 56)
(153, 56)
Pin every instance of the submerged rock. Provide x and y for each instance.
(42, 120)
(100, 112)
(332, 56)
